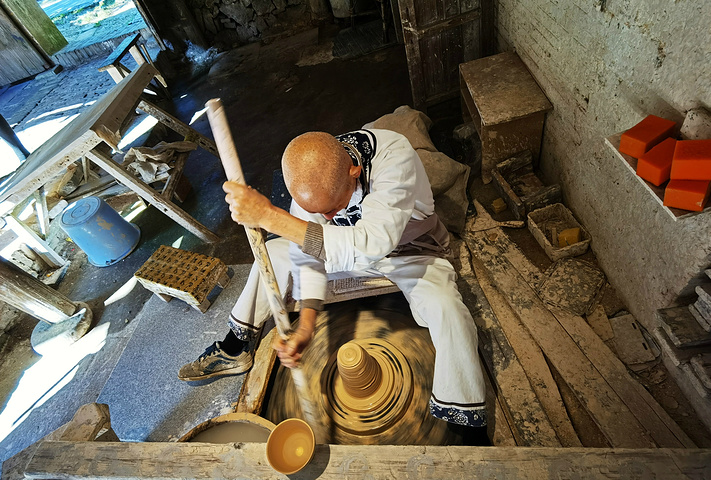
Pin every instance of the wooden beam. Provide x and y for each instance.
(640, 402)
(151, 196)
(24, 292)
(497, 425)
(526, 416)
(254, 387)
(531, 357)
(619, 425)
(180, 460)
(178, 126)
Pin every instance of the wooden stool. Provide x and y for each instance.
(506, 105)
(188, 276)
(138, 51)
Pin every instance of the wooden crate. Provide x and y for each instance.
(188, 276)
(541, 223)
(522, 190)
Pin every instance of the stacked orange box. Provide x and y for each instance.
(690, 183)
(655, 165)
(687, 194)
(639, 139)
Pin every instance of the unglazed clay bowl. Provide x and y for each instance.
(290, 446)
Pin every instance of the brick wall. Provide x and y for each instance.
(605, 65)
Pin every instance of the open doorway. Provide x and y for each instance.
(88, 22)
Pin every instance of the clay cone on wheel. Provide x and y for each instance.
(405, 355)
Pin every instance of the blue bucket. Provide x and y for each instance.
(99, 231)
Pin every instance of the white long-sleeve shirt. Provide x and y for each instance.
(393, 189)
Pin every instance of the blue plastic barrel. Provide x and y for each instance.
(104, 235)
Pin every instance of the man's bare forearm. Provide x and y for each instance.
(282, 223)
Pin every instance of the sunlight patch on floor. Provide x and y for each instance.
(47, 377)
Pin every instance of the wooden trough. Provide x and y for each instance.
(86, 448)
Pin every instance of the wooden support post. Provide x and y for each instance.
(24, 292)
(151, 196)
(35, 242)
(42, 212)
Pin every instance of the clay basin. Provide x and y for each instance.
(290, 446)
(231, 428)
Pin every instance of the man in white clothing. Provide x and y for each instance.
(361, 204)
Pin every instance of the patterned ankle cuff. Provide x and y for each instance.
(242, 331)
(470, 416)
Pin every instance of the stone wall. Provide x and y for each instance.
(605, 65)
(229, 23)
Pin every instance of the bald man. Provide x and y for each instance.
(361, 205)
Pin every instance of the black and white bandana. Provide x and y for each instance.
(361, 146)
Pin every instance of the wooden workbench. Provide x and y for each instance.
(91, 134)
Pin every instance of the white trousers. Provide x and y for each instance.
(428, 283)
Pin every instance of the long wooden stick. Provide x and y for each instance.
(233, 169)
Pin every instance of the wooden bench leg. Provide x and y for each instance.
(202, 308)
(137, 55)
(183, 189)
(115, 74)
(223, 280)
(164, 297)
(159, 76)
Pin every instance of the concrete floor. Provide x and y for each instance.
(271, 93)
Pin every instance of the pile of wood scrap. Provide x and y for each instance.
(554, 381)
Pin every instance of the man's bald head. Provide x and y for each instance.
(317, 171)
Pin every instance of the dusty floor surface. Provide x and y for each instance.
(272, 93)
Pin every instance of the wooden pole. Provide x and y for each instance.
(233, 170)
(24, 292)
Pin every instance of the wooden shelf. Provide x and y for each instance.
(613, 142)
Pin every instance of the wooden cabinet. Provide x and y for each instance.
(439, 35)
(507, 107)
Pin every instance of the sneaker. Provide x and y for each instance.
(214, 362)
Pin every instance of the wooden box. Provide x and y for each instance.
(522, 190)
(543, 221)
(506, 105)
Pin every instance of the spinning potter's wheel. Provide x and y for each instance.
(369, 369)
